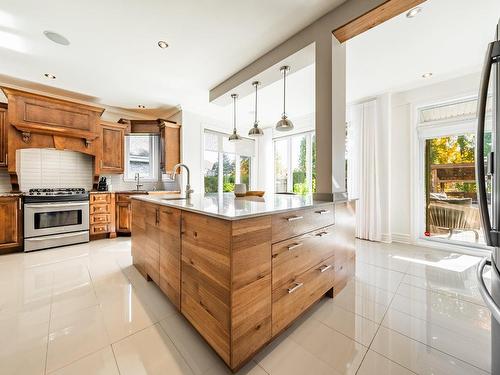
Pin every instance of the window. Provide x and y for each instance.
(295, 164)
(449, 209)
(226, 163)
(141, 156)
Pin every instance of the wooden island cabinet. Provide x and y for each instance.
(241, 280)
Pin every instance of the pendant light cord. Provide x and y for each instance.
(284, 92)
(256, 85)
(234, 112)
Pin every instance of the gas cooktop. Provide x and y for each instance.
(56, 195)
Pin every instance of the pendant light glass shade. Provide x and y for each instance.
(235, 136)
(284, 124)
(256, 131)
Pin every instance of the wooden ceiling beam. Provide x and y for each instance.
(374, 17)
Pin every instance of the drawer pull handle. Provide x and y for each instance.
(294, 288)
(294, 218)
(324, 268)
(295, 245)
(323, 212)
(321, 234)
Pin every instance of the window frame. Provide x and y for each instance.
(220, 161)
(309, 159)
(153, 158)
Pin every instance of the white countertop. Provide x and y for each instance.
(227, 206)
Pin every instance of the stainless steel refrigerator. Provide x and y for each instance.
(488, 186)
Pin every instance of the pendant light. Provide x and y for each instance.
(235, 136)
(256, 131)
(284, 124)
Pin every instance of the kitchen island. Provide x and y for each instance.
(241, 270)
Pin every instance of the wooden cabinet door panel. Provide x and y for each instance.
(123, 217)
(10, 217)
(139, 236)
(3, 136)
(152, 243)
(170, 254)
(112, 148)
(170, 146)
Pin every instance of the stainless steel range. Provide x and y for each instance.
(55, 217)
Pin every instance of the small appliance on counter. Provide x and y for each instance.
(55, 217)
(102, 185)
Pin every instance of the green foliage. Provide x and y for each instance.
(211, 184)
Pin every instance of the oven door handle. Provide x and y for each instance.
(56, 236)
(487, 297)
(55, 205)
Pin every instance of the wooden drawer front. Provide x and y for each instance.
(289, 301)
(295, 256)
(100, 209)
(100, 198)
(123, 198)
(294, 223)
(100, 219)
(99, 228)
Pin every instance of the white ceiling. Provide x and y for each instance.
(114, 57)
(448, 38)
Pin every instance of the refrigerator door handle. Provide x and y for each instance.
(491, 57)
(488, 299)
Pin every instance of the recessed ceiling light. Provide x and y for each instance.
(141, 106)
(49, 76)
(162, 44)
(56, 38)
(427, 75)
(413, 12)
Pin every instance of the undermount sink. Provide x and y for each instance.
(174, 199)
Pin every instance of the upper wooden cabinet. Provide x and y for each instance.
(11, 229)
(3, 135)
(112, 147)
(38, 114)
(170, 145)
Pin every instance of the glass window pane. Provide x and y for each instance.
(139, 158)
(452, 212)
(229, 172)
(299, 157)
(211, 171)
(245, 171)
(281, 166)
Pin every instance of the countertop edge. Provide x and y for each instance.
(149, 199)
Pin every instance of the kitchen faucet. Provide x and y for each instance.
(189, 191)
(138, 184)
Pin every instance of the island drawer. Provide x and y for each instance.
(100, 198)
(294, 223)
(290, 300)
(294, 256)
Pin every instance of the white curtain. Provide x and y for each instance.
(363, 168)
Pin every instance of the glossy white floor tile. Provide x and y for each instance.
(101, 362)
(85, 309)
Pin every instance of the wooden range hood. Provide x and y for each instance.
(39, 121)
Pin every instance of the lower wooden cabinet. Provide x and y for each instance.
(11, 238)
(156, 246)
(124, 212)
(102, 215)
(170, 254)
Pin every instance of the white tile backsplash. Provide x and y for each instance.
(49, 168)
(117, 183)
